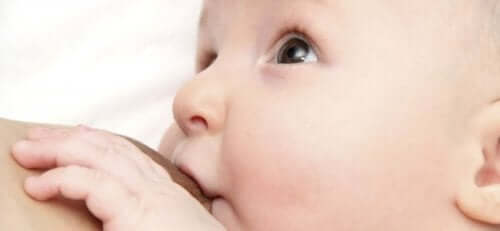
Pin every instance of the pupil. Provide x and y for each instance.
(295, 51)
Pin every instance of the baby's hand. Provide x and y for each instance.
(121, 186)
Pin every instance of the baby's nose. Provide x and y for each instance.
(199, 107)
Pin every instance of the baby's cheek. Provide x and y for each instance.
(276, 172)
(275, 177)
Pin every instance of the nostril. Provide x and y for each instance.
(198, 123)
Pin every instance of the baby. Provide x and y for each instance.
(346, 115)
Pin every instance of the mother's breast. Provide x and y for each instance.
(18, 211)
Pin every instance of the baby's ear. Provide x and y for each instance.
(479, 199)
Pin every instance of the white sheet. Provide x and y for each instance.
(111, 64)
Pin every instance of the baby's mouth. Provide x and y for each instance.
(189, 183)
(206, 193)
(185, 156)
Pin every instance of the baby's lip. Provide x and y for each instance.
(179, 148)
(170, 141)
(207, 192)
(180, 151)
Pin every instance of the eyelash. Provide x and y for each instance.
(208, 57)
(292, 29)
(283, 35)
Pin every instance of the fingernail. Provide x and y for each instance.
(21, 146)
(30, 180)
(30, 183)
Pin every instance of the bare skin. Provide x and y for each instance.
(317, 115)
(23, 213)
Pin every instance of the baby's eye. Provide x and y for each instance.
(296, 50)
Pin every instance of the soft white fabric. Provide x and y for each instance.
(111, 64)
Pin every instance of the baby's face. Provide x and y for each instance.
(343, 115)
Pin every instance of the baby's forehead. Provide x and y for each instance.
(214, 11)
(210, 6)
(260, 2)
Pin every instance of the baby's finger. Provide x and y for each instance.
(37, 133)
(105, 197)
(103, 141)
(52, 153)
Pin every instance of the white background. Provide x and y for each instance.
(111, 64)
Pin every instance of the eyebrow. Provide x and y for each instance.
(203, 21)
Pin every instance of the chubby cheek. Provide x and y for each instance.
(282, 178)
(285, 174)
(271, 166)
(269, 180)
